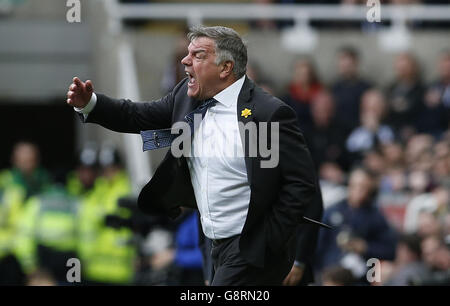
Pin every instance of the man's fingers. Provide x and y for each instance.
(286, 280)
(78, 82)
(89, 86)
(294, 281)
(79, 92)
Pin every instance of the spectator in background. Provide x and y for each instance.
(11, 203)
(360, 229)
(435, 112)
(372, 131)
(107, 250)
(24, 180)
(428, 225)
(374, 161)
(26, 172)
(422, 211)
(440, 170)
(48, 233)
(303, 88)
(81, 181)
(405, 96)
(349, 86)
(338, 276)
(180, 261)
(325, 135)
(419, 181)
(393, 180)
(393, 154)
(332, 183)
(407, 265)
(446, 229)
(417, 147)
(437, 257)
(393, 173)
(187, 256)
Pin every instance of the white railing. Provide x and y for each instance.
(198, 12)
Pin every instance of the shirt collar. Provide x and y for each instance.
(229, 95)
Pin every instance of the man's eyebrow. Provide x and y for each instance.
(195, 51)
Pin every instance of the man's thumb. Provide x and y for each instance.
(89, 86)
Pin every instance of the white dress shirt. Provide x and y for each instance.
(217, 166)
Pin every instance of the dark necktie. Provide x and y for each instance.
(156, 139)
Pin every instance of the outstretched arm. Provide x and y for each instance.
(121, 115)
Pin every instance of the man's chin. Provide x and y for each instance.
(192, 93)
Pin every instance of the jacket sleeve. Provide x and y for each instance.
(121, 115)
(308, 234)
(298, 179)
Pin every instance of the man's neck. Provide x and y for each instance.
(225, 85)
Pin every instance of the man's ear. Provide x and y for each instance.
(226, 69)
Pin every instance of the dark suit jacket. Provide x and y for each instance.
(278, 195)
(307, 237)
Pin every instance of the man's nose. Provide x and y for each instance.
(186, 61)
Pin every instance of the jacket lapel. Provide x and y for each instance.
(245, 114)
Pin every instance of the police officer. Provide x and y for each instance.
(107, 253)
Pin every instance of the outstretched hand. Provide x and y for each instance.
(79, 93)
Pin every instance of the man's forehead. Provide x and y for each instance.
(201, 43)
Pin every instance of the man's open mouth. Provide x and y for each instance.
(191, 79)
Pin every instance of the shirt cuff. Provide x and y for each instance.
(299, 264)
(89, 107)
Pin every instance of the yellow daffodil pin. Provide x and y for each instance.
(246, 112)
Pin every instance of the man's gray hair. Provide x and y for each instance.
(229, 46)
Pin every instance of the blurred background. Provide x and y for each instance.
(372, 99)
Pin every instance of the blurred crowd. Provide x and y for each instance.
(383, 158)
(92, 217)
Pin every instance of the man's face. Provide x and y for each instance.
(359, 189)
(404, 66)
(25, 158)
(204, 75)
(444, 67)
(322, 109)
(347, 65)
